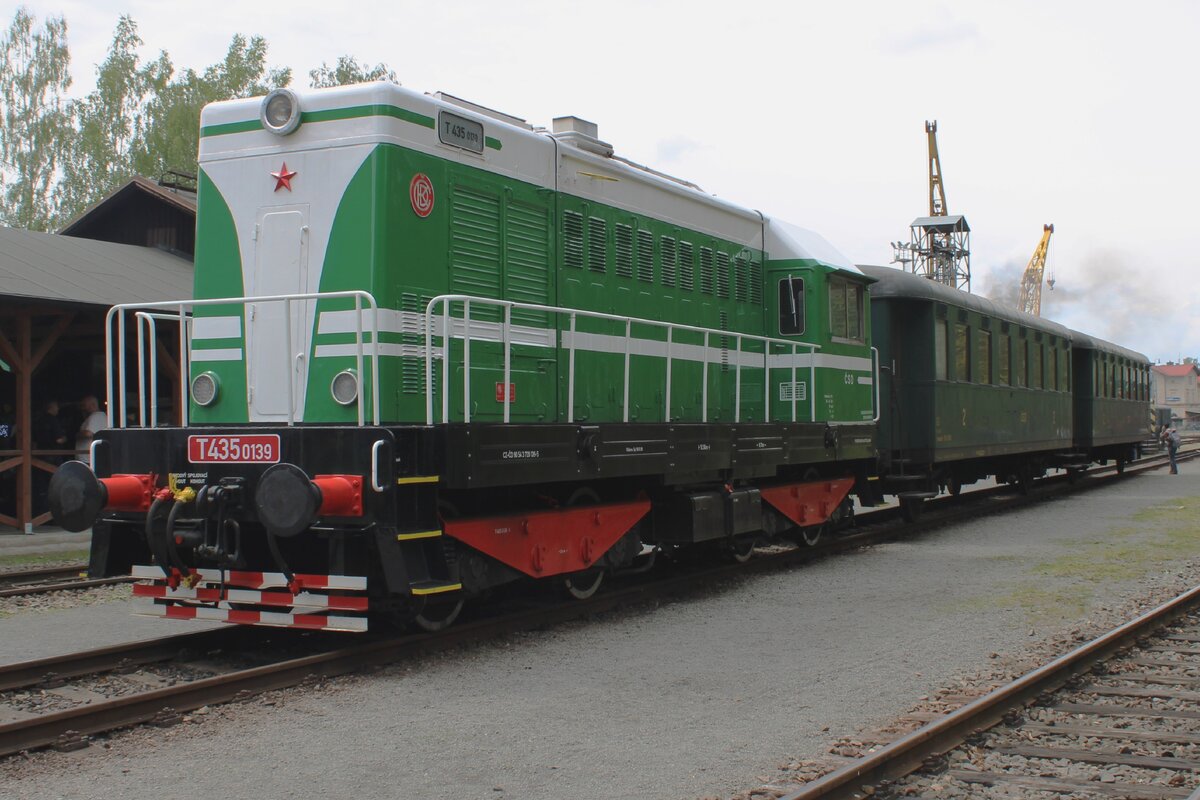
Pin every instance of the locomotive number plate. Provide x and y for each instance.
(257, 449)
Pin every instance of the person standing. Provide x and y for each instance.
(49, 433)
(1171, 437)
(95, 421)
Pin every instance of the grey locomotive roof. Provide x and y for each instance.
(1085, 342)
(65, 268)
(900, 284)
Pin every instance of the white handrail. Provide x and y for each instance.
(445, 302)
(181, 308)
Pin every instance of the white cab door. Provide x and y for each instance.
(278, 338)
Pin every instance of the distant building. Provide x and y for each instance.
(1177, 387)
(135, 245)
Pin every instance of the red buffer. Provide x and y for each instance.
(807, 503)
(545, 543)
(128, 492)
(341, 495)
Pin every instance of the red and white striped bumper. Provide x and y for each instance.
(313, 602)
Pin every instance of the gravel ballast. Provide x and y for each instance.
(701, 697)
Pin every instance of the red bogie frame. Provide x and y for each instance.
(546, 543)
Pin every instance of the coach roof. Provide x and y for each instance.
(898, 284)
(1085, 342)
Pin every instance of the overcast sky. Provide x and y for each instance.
(1083, 114)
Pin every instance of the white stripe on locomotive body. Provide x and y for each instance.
(216, 354)
(216, 328)
(326, 154)
(392, 321)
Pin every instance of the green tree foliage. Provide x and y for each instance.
(349, 71)
(34, 74)
(110, 120)
(172, 132)
(58, 156)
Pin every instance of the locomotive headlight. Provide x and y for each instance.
(204, 389)
(345, 387)
(280, 113)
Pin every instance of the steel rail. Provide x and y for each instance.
(131, 710)
(23, 674)
(41, 573)
(22, 590)
(906, 754)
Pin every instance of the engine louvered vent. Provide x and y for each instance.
(724, 322)
(597, 244)
(670, 261)
(624, 252)
(573, 239)
(645, 256)
(723, 275)
(706, 270)
(687, 267)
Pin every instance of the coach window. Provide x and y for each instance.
(791, 306)
(845, 310)
(1035, 365)
(962, 353)
(940, 353)
(984, 345)
(1005, 356)
(1052, 368)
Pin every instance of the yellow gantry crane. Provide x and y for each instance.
(1031, 280)
(937, 192)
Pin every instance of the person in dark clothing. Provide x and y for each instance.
(49, 433)
(1171, 437)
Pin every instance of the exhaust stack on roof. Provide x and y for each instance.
(582, 134)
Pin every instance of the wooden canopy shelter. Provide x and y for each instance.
(54, 294)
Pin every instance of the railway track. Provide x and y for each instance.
(51, 579)
(1114, 717)
(93, 692)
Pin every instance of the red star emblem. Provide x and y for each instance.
(283, 178)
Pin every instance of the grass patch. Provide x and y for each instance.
(1063, 588)
(37, 559)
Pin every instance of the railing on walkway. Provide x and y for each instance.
(569, 343)
(148, 314)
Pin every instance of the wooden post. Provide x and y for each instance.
(24, 377)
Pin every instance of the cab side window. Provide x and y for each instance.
(846, 310)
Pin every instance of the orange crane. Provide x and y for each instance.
(1031, 280)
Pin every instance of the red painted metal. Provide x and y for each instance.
(341, 495)
(129, 492)
(808, 503)
(545, 543)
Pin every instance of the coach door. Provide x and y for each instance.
(280, 267)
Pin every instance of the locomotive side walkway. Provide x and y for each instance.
(695, 698)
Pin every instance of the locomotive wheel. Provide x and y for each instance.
(1121, 464)
(910, 508)
(436, 615)
(742, 549)
(582, 585)
(812, 534)
(953, 486)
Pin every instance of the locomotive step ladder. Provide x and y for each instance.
(432, 568)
